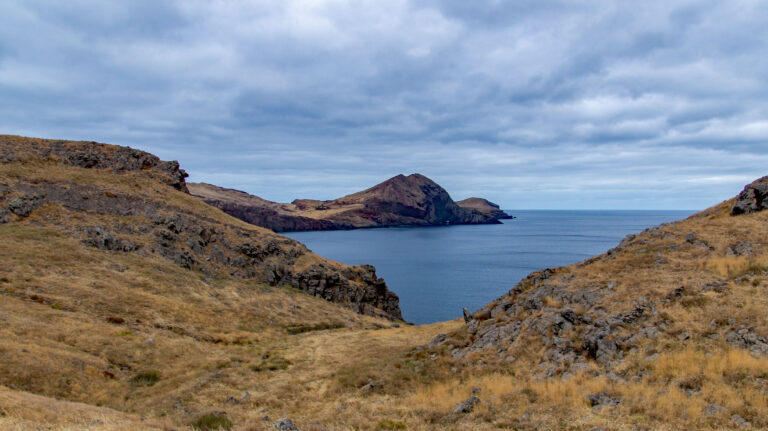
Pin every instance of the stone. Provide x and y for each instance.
(439, 340)
(602, 400)
(285, 424)
(714, 409)
(752, 199)
(743, 248)
(740, 421)
(467, 406)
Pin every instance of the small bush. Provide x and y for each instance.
(213, 421)
(146, 378)
(299, 329)
(273, 363)
(391, 425)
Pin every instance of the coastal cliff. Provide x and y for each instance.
(412, 200)
(484, 206)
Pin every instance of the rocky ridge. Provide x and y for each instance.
(412, 200)
(627, 302)
(118, 199)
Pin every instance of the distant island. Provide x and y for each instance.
(412, 200)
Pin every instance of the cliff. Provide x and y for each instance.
(412, 200)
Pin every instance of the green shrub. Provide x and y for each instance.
(271, 363)
(299, 329)
(213, 421)
(391, 425)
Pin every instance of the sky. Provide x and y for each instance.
(532, 104)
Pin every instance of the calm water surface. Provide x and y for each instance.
(438, 270)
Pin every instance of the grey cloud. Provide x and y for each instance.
(531, 103)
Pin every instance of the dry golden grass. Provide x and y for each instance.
(21, 411)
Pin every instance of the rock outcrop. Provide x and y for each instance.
(753, 198)
(484, 206)
(412, 200)
(123, 200)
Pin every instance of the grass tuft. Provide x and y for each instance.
(146, 378)
(213, 421)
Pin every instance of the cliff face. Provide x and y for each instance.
(484, 206)
(123, 200)
(412, 200)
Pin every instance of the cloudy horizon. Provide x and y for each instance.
(531, 104)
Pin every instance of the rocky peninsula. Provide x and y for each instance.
(412, 200)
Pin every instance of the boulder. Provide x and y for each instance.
(285, 424)
(752, 199)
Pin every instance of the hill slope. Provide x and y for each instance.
(671, 320)
(414, 200)
(119, 199)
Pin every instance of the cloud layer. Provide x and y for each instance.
(533, 104)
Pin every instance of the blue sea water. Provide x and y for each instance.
(438, 270)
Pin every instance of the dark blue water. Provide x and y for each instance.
(438, 270)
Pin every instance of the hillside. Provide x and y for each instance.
(115, 316)
(667, 329)
(412, 200)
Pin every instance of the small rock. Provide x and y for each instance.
(439, 340)
(467, 406)
(713, 409)
(602, 400)
(286, 424)
(740, 421)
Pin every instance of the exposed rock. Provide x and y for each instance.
(752, 199)
(414, 200)
(285, 424)
(602, 400)
(439, 340)
(467, 406)
(100, 238)
(714, 409)
(743, 248)
(90, 155)
(747, 338)
(740, 421)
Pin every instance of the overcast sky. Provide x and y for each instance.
(532, 104)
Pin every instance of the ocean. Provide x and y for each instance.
(436, 271)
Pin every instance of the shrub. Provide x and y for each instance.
(213, 421)
(273, 363)
(391, 425)
(146, 378)
(299, 329)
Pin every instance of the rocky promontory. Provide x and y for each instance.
(484, 206)
(412, 200)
